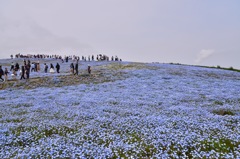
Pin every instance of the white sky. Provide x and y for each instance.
(188, 31)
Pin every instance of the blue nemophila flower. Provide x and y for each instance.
(168, 111)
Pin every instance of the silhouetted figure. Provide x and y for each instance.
(17, 67)
(89, 69)
(6, 74)
(76, 69)
(12, 66)
(32, 67)
(22, 73)
(45, 68)
(1, 73)
(38, 66)
(57, 67)
(51, 68)
(27, 70)
(72, 68)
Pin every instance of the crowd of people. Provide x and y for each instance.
(99, 57)
(28, 66)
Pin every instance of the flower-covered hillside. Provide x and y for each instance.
(155, 111)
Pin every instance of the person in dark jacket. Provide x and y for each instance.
(1, 73)
(51, 68)
(72, 68)
(76, 69)
(6, 74)
(35, 67)
(22, 73)
(27, 70)
(12, 67)
(17, 67)
(57, 67)
(89, 69)
(45, 68)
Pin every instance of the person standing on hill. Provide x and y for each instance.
(89, 69)
(12, 67)
(22, 73)
(45, 67)
(29, 63)
(6, 74)
(33, 67)
(51, 68)
(1, 73)
(76, 69)
(17, 67)
(72, 68)
(57, 67)
(27, 70)
(38, 66)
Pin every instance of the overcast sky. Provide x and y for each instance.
(203, 32)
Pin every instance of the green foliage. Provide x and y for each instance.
(218, 103)
(223, 112)
(221, 145)
(16, 120)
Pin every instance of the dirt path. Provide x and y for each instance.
(64, 80)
